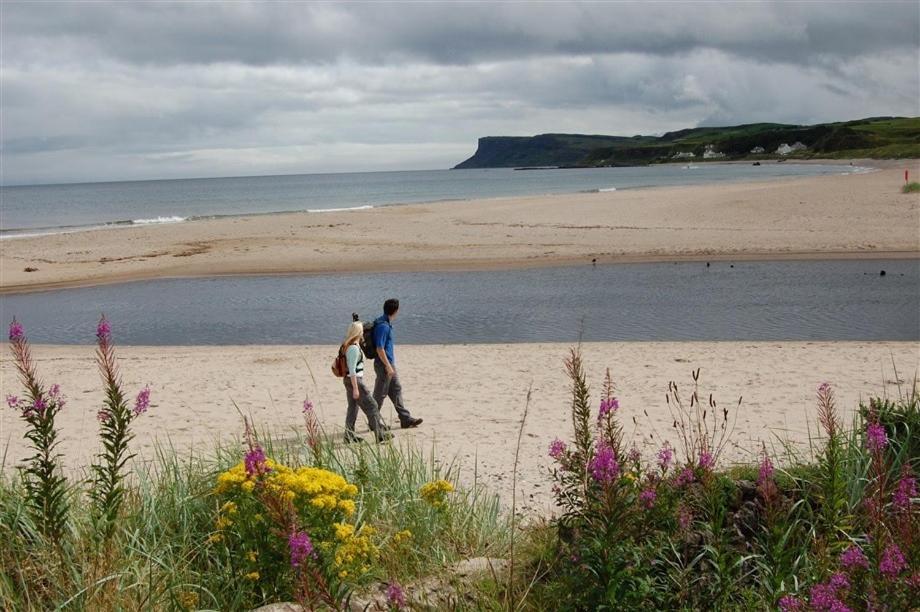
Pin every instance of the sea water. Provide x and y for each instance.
(42, 209)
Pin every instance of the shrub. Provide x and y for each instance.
(911, 187)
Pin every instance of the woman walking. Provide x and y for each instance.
(355, 390)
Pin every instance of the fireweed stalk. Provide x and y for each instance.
(45, 487)
(115, 419)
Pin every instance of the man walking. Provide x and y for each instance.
(387, 383)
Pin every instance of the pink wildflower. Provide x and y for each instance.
(685, 477)
(603, 465)
(255, 462)
(301, 548)
(608, 406)
(892, 562)
(823, 596)
(876, 438)
(103, 415)
(556, 449)
(39, 405)
(791, 603)
(634, 455)
(706, 460)
(665, 455)
(12, 401)
(307, 406)
(905, 491)
(839, 581)
(104, 330)
(395, 596)
(853, 557)
(766, 471)
(17, 332)
(647, 498)
(142, 402)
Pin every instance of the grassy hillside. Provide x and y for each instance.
(877, 137)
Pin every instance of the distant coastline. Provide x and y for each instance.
(872, 138)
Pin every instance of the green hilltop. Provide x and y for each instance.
(875, 137)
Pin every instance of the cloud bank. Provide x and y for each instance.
(118, 91)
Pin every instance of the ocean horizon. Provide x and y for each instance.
(33, 210)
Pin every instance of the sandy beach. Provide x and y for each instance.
(857, 216)
(472, 402)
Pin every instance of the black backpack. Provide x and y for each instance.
(367, 345)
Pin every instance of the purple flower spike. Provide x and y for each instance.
(647, 498)
(17, 332)
(556, 449)
(39, 405)
(766, 471)
(104, 330)
(665, 456)
(685, 477)
(395, 596)
(301, 548)
(604, 466)
(876, 438)
(255, 462)
(852, 558)
(892, 562)
(307, 406)
(12, 401)
(142, 402)
(905, 491)
(706, 460)
(791, 603)
(608, 406)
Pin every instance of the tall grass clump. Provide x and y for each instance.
(911, 187)
(839, 533)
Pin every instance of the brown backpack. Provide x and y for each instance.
(340, 364)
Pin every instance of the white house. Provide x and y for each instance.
(710, 152)
(683, 155)
(785, 149)
(758, 150)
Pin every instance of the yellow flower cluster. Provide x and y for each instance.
(188, 600)
(435, 493)
(402, 536)
(355, 553)
(319, 488)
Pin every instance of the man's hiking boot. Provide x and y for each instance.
(410, 423)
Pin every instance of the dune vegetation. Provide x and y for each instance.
(366, 526)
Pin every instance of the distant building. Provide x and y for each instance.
(785, 149)
(758, 150)
(710, 152)
(683, 155)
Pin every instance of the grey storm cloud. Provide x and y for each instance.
(139, 90)
(462, 33)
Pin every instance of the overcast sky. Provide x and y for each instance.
(131, 90)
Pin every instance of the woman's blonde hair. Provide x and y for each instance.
(355, 332)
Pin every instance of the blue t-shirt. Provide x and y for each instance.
(383, 337)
